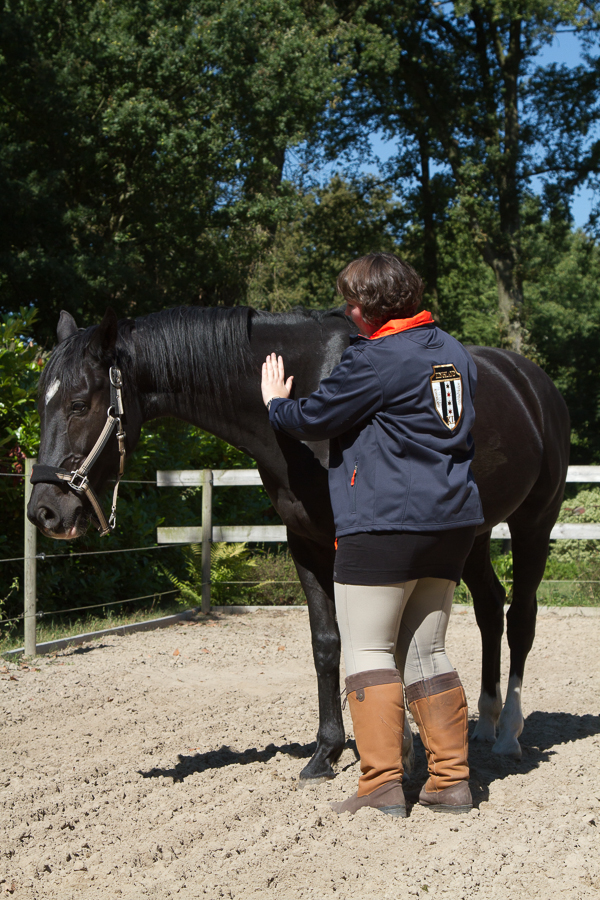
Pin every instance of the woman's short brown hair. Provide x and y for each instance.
(384, 286)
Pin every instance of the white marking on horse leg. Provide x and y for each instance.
(408, 750)
(489, 713)
(511, 722)
(52, 390)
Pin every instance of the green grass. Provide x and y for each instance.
(549, 593)
(55, 627)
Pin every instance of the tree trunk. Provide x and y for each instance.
(510, 304)
(430, 251)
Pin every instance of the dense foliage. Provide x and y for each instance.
(142, 146)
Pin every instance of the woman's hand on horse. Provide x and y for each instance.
(273, 379)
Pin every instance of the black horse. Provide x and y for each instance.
(203, 366)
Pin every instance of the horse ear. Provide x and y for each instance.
(104, 337)
(66, 326)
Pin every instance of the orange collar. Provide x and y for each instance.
(395, 326)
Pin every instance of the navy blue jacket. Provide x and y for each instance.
(398, 411)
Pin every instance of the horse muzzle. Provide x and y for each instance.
(58, 514)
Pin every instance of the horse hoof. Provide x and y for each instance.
(317, 771)
(313, 782)
(485, 731)
(508, 746)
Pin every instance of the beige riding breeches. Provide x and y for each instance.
(399, 626)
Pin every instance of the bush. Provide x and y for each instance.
(240, 577)
(577, 563)
(572, 574)
(228, 563)
(279, 579)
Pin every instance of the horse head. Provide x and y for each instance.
(74, 405)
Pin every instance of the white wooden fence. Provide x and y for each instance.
(207, 532)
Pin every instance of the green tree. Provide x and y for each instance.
(330, 225)
(21, 362)
(458, 86)
(142, 146)
(563, 317)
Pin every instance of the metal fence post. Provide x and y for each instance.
(30, 569)
(207, 486)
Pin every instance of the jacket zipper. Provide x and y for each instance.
(353, 479)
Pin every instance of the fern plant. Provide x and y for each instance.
(228, 562)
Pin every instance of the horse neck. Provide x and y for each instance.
(239, 420)
(309, 348)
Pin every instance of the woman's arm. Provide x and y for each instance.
(351, 394)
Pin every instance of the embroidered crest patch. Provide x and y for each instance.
(446, 387)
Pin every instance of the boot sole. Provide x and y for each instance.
(398, 811)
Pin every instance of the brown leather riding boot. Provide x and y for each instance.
(439, 708)
(377, 709)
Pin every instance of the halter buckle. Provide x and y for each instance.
(78, 482)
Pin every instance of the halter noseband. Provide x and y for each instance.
(78, 480)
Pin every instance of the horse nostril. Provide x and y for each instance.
(45, 517)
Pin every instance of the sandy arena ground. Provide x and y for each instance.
(166, 763)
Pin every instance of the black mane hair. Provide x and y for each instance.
(189, 349)
(183, 349)
(180, 349)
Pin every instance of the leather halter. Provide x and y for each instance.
(78, 480)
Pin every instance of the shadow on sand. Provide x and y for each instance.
(218, 759)
(543, 731)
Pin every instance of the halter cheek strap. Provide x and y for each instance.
(78, 480)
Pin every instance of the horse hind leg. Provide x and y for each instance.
(488, 602)
(530, 550)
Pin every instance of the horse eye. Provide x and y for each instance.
(78, 406)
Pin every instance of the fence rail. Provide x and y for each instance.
(207, 533)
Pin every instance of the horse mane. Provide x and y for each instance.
(181, 349)
(190, 349)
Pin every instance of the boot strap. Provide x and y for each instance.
(431, 686)
(371, 678)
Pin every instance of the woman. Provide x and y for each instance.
(398, 410)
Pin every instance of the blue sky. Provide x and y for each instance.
(565, 49)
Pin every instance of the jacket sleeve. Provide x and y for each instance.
(351, 394)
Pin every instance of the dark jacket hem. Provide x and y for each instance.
(413, 528)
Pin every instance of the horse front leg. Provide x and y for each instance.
(315, 570)
(488, 602)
